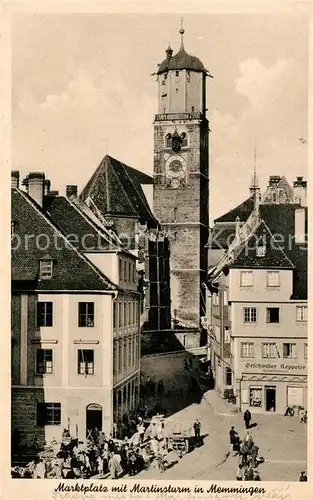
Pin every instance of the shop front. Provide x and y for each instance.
(272, 387)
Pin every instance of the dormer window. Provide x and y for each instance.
(46, 268)
(261, 251)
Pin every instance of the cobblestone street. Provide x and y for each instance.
(281, 441)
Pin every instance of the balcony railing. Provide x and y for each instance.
(178, 116)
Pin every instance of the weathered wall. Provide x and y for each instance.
(184, 214)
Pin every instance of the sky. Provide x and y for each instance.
(82, 87)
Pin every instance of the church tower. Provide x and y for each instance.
(181, 183)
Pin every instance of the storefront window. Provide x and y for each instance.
(256, 396)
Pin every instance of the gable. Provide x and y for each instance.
(35, 236)
(116, 189)
(274, 257)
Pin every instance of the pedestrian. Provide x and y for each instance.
(100, 463)
(40, 470)
(105, 456)
(257, 476)
(115, 465)
(249, 475)
(232, 437)
(197, 429)
(236, 445)
(101, 439)
(304, 416)
(239, 474)
(132, 463)
(141, 432)
(248, 440)
(254, 454)
(303, 477)
(244, 452)
(247, 419)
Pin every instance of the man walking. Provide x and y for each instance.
(197, 428)
(247, 419)
(232, 435)
(233, 438)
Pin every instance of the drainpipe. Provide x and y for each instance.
(238, 392)
(222, 291)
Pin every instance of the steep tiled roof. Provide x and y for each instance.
(279, 220)
(38, 236)
(71, 221)
(242, 211)
(274, 257)
(116, 189)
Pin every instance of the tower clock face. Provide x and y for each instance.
(175, 167)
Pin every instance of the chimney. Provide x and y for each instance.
(35, 184)
(300, 236)
(300, 191)
(71, 191)
(47, 185)
(15, 179)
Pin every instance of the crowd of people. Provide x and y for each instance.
(101, 456)
(247, 452)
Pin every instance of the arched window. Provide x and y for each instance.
(184, 140)
(168, 140)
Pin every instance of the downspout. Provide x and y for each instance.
(238, 391)
(222, 334)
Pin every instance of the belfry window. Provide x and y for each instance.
(168, 140)
(184, 140)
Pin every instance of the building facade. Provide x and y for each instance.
(180, 181)
(75, 318)
(258, 309)
(115, 193)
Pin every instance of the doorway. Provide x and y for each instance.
(93, 418)
(270, 398)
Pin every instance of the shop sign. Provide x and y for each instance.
(275, 367)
